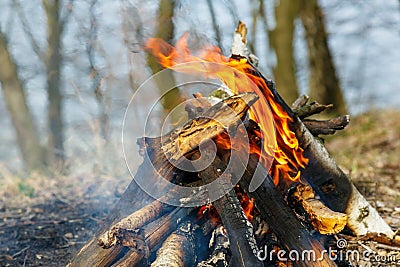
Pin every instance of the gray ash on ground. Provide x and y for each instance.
(48, 234)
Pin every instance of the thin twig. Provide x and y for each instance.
(28, 30)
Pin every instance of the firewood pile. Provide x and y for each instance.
(261, 205)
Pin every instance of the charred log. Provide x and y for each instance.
(240, 231)
(293, 234)
(220, 254)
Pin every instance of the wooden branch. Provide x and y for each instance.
(299, 102)
(145, 215)
(240, 231)
(322, 219)
(325, 127)
(303, 109)
(134, 222)
(153, 234)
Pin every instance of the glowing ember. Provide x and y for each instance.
(209, 212)
(246, 202)
(242, 77)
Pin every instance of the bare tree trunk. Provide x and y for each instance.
(215, 23)
(21, 118)
(53, 60)
(95, 74)
(165, 31)
(324, 83)
(281, 40)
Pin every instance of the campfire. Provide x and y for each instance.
(268, 185)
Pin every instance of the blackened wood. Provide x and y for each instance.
(240, 230)
(328, 180)
(220, 254)
(273, 209)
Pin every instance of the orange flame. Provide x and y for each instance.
(246, 202)
(241, 77)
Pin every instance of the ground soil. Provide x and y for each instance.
(45, 221)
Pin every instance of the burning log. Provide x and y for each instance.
(290, 231)
(220, 254)
(322, 173)
(240, 231)
(323, 219)
(185, 139)
(275, 212)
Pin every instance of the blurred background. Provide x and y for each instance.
(69, 68)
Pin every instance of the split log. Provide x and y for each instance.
(322, 219)
(240, 231)
(220, 254)
(215, 120)
(322, 173)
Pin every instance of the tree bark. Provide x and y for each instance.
(324, 83)
(14, 96)
(281, 40)
(53, 61)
